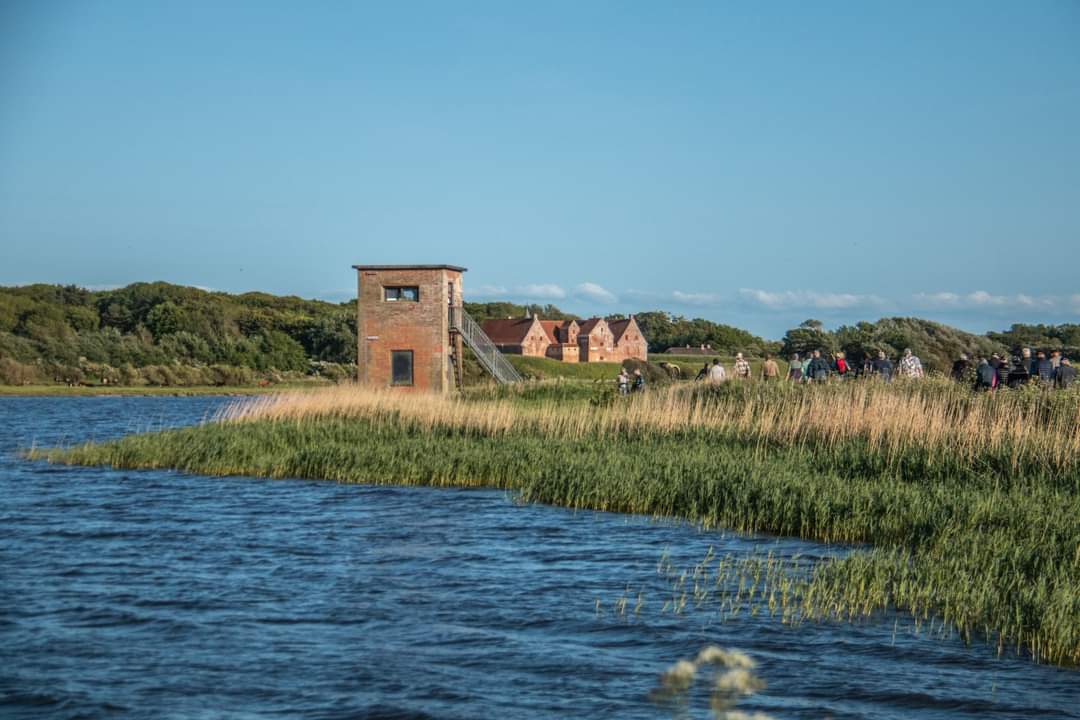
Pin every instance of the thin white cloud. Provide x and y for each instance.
(530, 291)
(596, 293)
(981, 300)
(1075, 302)
(791, 299)
(701, 299)
(940, 299)
(482, 291)
(541, 291)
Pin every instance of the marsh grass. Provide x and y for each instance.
(970, 501)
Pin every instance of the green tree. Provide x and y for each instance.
(164, 319)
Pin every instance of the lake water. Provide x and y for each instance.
(163, 595)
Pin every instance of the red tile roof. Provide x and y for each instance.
(586, 326)
(508, 332)
(618, 327)
(550, 326)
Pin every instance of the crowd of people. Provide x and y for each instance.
(1053, 370)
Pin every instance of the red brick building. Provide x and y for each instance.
(403, 333)
(629, 342)
(518, 336)
(562, 336)
(592, 340)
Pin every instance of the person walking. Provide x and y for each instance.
(624, 382)
(1055, 359)
(1020, 371)
(960, 367)
(986, 377)
(769, 369)
(883, 367)
(805, 366)
(639, 381)
(742, 367)
(1028, 362)
(867, 364)
(1044, 369)
(794, 368)
(997, 363)
(703, 372)
(910, 365)
(1065, 374)
(840, 366)
(717, 374)
(818, 369)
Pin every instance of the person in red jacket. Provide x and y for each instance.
(840, 366)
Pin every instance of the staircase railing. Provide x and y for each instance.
(482, 347)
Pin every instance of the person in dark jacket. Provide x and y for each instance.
(1019, 373)
(960, 367)
(1028, 361)
(1065, 374)
(1044, 369)
(818, 370)
(996, 363)
(867, 364)
(883, 366)
(639, 381)
(985, 375)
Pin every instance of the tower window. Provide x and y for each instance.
(401, 293)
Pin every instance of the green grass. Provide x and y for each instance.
(546, 368)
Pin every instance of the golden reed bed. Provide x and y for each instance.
(935, 417)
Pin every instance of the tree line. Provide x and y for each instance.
(161, 333)
(168, 334)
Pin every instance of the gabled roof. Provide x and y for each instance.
(586, 326)
(550, 326)
(508, 332)
(618, 327)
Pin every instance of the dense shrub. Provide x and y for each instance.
(13, 372)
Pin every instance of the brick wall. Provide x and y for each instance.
(421, 327)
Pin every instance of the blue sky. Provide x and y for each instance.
(755, 164)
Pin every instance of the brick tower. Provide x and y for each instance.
(403, 323)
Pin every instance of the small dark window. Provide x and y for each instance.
(403, 293)
(401, 367)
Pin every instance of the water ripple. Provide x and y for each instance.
(160, 594)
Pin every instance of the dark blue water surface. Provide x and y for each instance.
(162, 595)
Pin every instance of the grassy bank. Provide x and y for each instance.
(546, 368)
(971, 502)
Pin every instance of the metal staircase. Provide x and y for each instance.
(482, 347)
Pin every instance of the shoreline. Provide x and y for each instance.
(153, 390)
